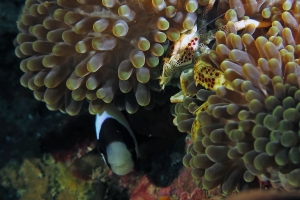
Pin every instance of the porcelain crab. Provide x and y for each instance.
(184, 60)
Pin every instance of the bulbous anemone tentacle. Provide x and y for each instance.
(97, 50)
(248, 126)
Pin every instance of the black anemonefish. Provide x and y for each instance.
(115, 140)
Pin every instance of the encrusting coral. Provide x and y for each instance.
(44, 178)
(247, 123)
(96, 50)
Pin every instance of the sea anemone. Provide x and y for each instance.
(97, 50)
(249, 124)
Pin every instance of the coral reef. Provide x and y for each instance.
(34, 177)
(239, 93)
(139, 187)
(265, 195)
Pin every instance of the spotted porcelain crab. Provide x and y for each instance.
(181, 57)
(184, 58)
(182, 53)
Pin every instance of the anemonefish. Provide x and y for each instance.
(116, 140)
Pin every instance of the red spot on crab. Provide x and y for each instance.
(196, 39)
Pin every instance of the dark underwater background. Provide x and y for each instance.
(23, 120)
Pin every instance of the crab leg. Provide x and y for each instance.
(206, 38)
